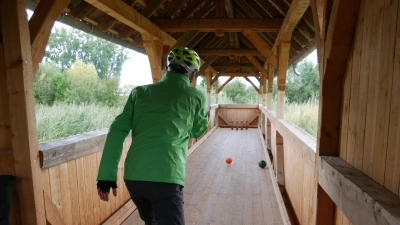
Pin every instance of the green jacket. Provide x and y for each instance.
(162, 117)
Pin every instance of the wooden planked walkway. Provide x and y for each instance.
(217, 193)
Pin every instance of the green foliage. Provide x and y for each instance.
(80, 85)
(63, 120)
(50, 84)
(67, 45)
(240, 93)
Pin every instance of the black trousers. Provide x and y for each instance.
(157, 203)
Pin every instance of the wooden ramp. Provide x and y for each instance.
(218, 193)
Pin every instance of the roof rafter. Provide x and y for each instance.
(211, 25)
(129, 16)
(227, 51)
(262, 46)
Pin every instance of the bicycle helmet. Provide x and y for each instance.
(185, 57)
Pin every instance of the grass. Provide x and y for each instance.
(63, 120)
(304, 115)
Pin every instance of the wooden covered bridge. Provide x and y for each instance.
(350, 174)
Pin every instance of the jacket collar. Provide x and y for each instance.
(176, 77)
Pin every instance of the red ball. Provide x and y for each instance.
(228, 160)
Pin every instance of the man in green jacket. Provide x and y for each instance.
(162, 117)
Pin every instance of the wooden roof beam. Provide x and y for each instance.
(227, 51)
(235, 74)
(129, 16)
(109, 21)
(40, 26)
(254, 86)
(262, 46)
(226, 82)
(295, 13)
(212, 25)
(256, 64)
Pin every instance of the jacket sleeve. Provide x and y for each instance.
(200, 122)
(117, 133)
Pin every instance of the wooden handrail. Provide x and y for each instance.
(56, 152)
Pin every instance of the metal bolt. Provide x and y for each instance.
(34, 161)
(26, 61)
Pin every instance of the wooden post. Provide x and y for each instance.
(270, 86)
(216, 91)
(154, 49)
(284, 48)
(208, 83)
(237, 124)
(232, 125)
(19, 78)
(264, 90)
(260, 91)
(280, 174)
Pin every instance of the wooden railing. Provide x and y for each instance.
(293, 157)
(69, 170)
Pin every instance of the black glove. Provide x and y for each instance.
(105, 185)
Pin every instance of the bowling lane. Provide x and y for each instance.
(218, 193)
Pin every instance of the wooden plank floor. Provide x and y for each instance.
(218, 193)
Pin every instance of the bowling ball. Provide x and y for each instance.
(228, 160)
(262, 164)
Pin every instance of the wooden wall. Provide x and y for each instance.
(240, 115)
(370, 128)
(71, 186)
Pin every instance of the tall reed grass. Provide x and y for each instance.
(304, 115)
(63, 120)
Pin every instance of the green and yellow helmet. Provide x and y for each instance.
(185, 57)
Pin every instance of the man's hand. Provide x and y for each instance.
(103, 189)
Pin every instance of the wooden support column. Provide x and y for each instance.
(216, 92)
(264, 90)
(284, 48)
(208, 83)
(21, 106)
(154, 49)
(270, 86)
(336, 21)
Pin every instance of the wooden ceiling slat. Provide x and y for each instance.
(242, 4)
(240, 12)
(173, 8)
(269, 8)
(109, 21)
(227, 51)
(151, 7)
(245, 41)
(261, 45)
(127, 31)
(282, 8)
(211, 25)
(220, 9)
(205, 10)
(267, 38)
(190, 9)
(303, 41)
(82, 10)
(196, 39)
(260, 11)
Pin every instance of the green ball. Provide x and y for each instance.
(262, 164)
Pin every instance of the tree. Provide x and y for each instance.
(300, 88)
(67, 45)
(50, 84)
